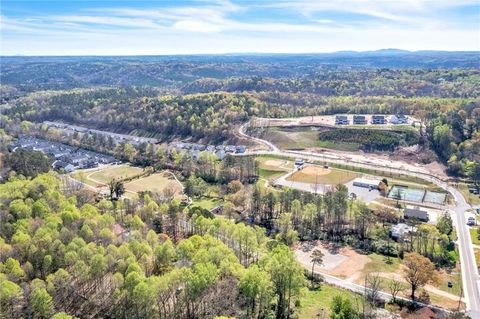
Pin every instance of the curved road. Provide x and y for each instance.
(470, 276)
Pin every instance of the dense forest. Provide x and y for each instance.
(60, 255)
(42, 73)
(371, 140)
(203, 98)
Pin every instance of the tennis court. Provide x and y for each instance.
(416, 195)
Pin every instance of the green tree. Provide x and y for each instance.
(287, 277)
(341, 308)
(29, 163)
(63, 315)
(41, 303)
(11, 299)
(256, 285)
(316, 259)
(445, 224)
(474, 174)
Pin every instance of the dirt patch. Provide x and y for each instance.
(274, 163)
(315, 170)
(352, 266)
(339, 261)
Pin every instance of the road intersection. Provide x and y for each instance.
(470, 276)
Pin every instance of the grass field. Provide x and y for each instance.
(471, 198)
(320, 175)
(113, 172)
(379, 264)
(271, 168)
(473, 234)
(301, 138)
(155, 183)
(207, 203)
(315, 303)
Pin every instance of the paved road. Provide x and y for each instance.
(470, 276)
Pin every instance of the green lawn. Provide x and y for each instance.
(471, 198)
(455, 278)
(114, 172)
(269, 174)
(270, 167)
(315, 302)
(379, 264)
(155, 183)
(340, 146)
(301, 138)
(207, 203)
(473, 234)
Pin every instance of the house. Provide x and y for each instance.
(218, 210)
(195, 154)
(378, 119)
(58, 164)
(401, 230)
(366, 183)
(69, 168)
(240, 149)
(398, 119)
(415, 212)
(359, 119)
(230, 149)
(211, 148)
(341, 120)
(220, 154)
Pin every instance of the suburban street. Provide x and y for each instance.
(470, 276)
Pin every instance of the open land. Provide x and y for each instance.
(321, 175)
(346, 263)
(135, 182)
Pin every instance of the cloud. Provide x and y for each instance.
(224, 26)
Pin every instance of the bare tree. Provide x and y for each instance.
(395, 287)
(373, 284)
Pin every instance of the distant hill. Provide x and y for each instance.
(32, 73)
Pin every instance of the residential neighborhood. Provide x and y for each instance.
(65, 157)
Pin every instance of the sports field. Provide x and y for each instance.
(271, 168)
(105, 174)
(156, 183)
(321, 175)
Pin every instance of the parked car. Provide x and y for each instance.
(471, 221)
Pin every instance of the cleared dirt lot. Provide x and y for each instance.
(351, 266)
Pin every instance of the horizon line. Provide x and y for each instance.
(384, 50)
